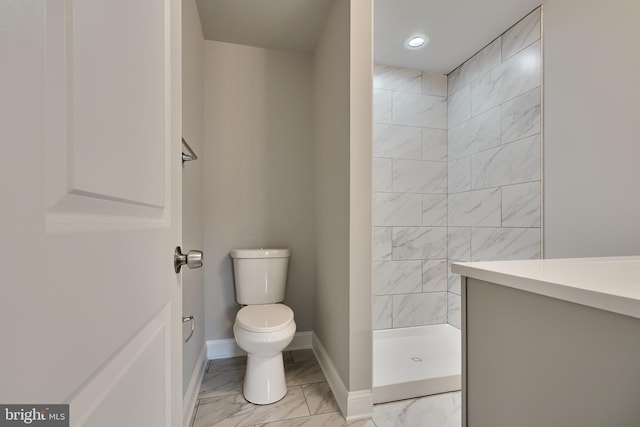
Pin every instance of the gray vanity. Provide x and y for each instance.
(550, 343)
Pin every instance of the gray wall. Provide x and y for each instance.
(494, 153)
(258, 179)
(192, 200)
(342, 153)
(331, 187)
(592, 128)
(410, 198)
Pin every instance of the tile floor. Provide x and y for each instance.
(309, 401)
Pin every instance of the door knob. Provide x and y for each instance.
(192, 259)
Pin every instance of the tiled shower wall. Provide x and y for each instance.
(494, 155)
(410, 198)
(469, 194)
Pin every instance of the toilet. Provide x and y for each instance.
(263, 327)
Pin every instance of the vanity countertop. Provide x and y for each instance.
(611, 284)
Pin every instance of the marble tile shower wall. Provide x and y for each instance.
(410, 198)
(494, 160)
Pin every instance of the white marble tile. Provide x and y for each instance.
(475, 208)
(459, 243)
(492, 244)
(234, 411)
(228, 364)
(517, 75)
(459, 106)
(512, 163)
(459, 175)
(393, 78)
(419, 243)
(487, 59)
(319, 398)
(381, 243)
(419, 110)
(521, 205)
(434, 210)
(332, 419)
(221, 383)
(453, 281)
(434, 275)
(382, 106)
(302, 355)
(434, 84)
(382, 174)
(382, 312)
(305, 372)
(453, 310)
(434, 144)
(397, 142)
(441, 410)
(419, 309)
(397, 277)
(419, 176)
(479, 133)
(521, 116)
(521, 35)
(398, 209)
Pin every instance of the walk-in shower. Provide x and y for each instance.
(457, 177)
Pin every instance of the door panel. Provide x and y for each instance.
(107, 135)
(109, 120)
(91, 208)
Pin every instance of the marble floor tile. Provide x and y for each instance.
(228, 364)
(334, 419)
(305, 372)
(311, 404)
(302, 355)
(442, 410)
(235, 411)
(319, 398)
(222, 383)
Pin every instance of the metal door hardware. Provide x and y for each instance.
(192, 259)
(193, 326)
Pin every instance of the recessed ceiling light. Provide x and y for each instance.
(416, 41)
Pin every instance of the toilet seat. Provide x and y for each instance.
(264, 318)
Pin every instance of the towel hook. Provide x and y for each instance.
(190, 156)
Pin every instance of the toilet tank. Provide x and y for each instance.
(260, 275)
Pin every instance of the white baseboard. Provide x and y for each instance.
(353, 404)
(190, 397)
(227, 347)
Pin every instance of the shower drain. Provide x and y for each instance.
(416, 359)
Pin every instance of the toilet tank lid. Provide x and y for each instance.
(260, 253)
(264, 317)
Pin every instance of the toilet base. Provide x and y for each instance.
(264, 381)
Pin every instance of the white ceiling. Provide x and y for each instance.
(293, 25)
(457, 28)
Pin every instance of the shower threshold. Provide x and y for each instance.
(416, 361)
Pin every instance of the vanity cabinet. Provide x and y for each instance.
(544, 347)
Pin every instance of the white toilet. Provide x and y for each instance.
(263, 328)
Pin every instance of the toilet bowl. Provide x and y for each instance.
(264, 326)
(263, 331)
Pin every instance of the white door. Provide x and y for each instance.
(90, 307)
